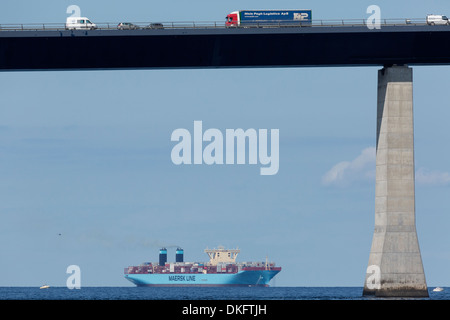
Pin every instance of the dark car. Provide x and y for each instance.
(155, 25)
(127, 26)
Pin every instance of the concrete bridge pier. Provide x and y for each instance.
(395, 265)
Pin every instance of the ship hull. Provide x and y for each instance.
(260, 278)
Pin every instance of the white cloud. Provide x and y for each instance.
(362, 168)
(432, 178)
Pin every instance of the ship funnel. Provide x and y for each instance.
(162, 256)
(179, 255)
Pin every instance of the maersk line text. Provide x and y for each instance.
(213, 153)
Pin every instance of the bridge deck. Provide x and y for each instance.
(224, 47)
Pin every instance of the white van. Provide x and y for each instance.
(435, 19)
(80, 23)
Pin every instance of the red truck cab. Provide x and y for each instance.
(232, 20)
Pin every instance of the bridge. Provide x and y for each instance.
(395, 265)
(214, 46)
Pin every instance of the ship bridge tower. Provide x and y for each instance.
(222, 255)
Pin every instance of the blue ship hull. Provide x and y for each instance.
(242, 278)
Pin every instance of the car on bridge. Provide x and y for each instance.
(155, 25)
(79, 23)
(127, 26)
(433, 19)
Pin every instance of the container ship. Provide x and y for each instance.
(221, 270)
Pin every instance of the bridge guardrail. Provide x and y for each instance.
(214, 24)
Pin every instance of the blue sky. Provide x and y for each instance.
(86, 154)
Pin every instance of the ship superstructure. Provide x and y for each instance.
(221, 270)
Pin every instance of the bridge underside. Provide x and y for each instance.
(224, 48)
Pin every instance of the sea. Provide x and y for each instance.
(215, 303)
(196, 293)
